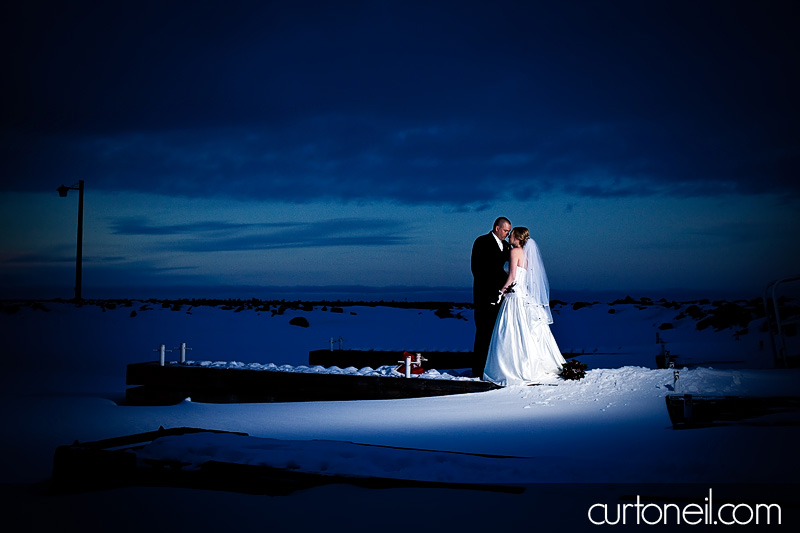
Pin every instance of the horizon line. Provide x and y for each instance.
(352, 292)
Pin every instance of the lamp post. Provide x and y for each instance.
(62, 192)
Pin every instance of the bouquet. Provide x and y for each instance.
(502, 292)
(573, 369)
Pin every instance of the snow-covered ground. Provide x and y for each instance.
(574, 443)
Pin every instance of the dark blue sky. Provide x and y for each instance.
(648, 145)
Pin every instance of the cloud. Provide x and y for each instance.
(341, 162)
(55, 257)
(218, 236)
(419, 104)
(143, 226)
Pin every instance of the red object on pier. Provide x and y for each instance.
(416, 363)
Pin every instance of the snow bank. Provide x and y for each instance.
(383, 371)
(66, 372)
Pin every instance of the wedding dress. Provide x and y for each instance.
(523, 349)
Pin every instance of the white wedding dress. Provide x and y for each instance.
(523, 350)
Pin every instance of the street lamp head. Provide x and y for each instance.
(62, 191)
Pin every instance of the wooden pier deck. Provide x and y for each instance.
(115, 462)
(153, 384)
(691, 410)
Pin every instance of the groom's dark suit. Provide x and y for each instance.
(489, 276)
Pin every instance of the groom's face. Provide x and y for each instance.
(502, 230)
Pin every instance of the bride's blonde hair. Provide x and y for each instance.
(522, 234)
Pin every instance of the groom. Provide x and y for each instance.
(490, 253)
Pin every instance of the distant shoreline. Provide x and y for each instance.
(278, 306)
(356, 293)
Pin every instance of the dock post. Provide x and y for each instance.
(407, 360)
(183, 349)
(162, 357)
(687, 408)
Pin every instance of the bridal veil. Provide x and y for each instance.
(537, 286)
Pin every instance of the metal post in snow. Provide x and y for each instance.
(162, 358)
(407, 360)
(183, 349)
(334, 341)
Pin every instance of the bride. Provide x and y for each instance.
(523, 350)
